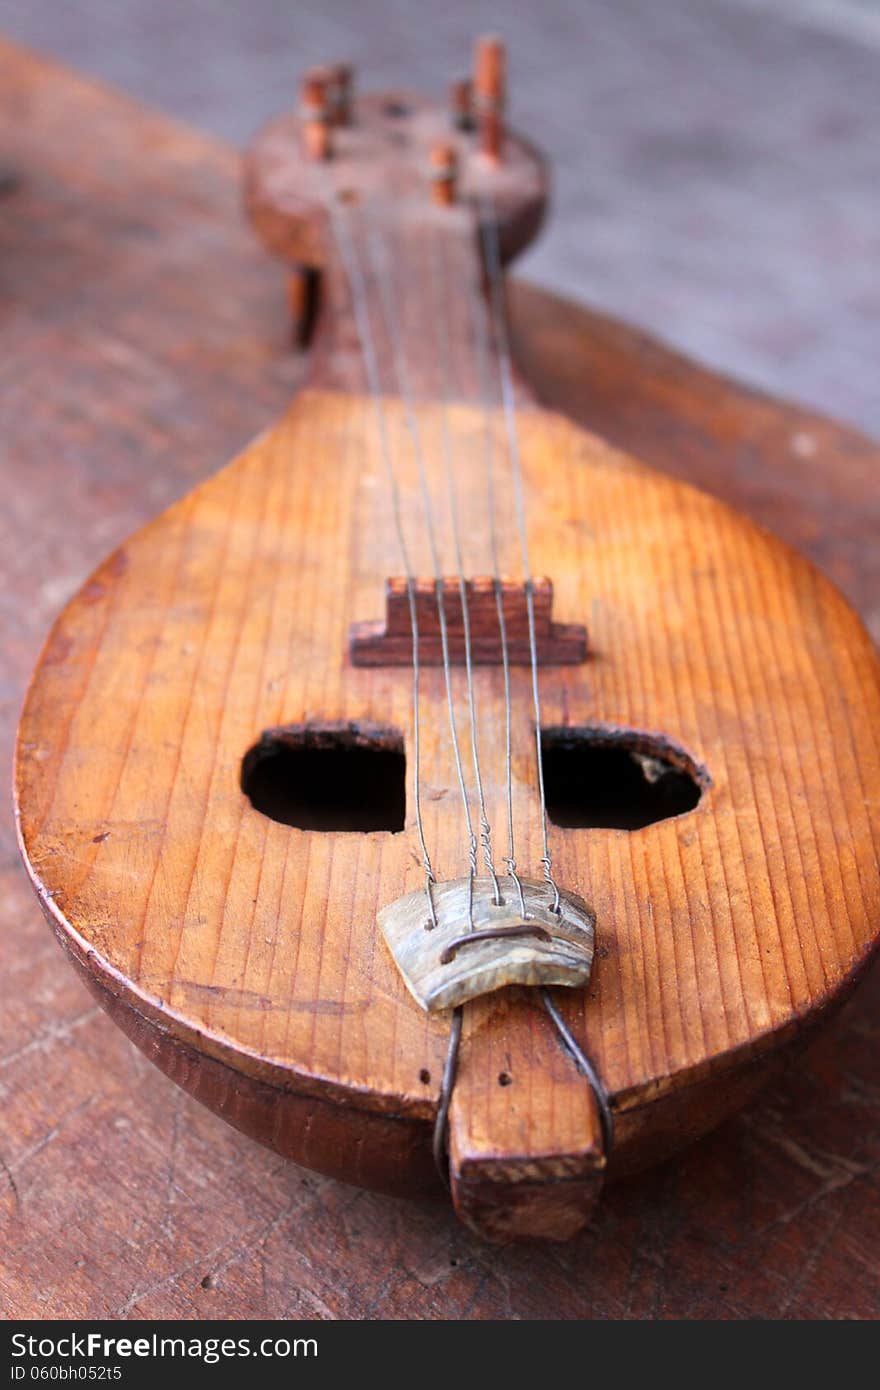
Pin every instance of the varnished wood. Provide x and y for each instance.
(192, 635)
(722, 930)
(257, 944)
(383, 158)
(729, 1228)
(520, 1169)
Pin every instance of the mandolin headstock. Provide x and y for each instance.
(397, 152)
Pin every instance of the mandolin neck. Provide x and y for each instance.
(416, 278)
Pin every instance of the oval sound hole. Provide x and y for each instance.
(616, 779)
(328, 777)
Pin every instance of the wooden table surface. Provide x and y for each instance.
(129, 278)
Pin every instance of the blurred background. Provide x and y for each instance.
(716, 162)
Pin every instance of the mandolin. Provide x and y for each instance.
(436, 793)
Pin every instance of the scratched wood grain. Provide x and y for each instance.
(772, 1215)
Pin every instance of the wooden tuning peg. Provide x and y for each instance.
(461, 104)
(490, 94)
(316, 112)
(341, 94)
(444, 171)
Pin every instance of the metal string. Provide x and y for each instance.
(447, 1086)
(389, 308)
(489, 231)
(569, 1043)
(438, 282)
(584, 1066)
(571, 1046)
(450, 1068)
(481, 335)
(360, 304)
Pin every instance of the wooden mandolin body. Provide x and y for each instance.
(242, 953)
(216, 760)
